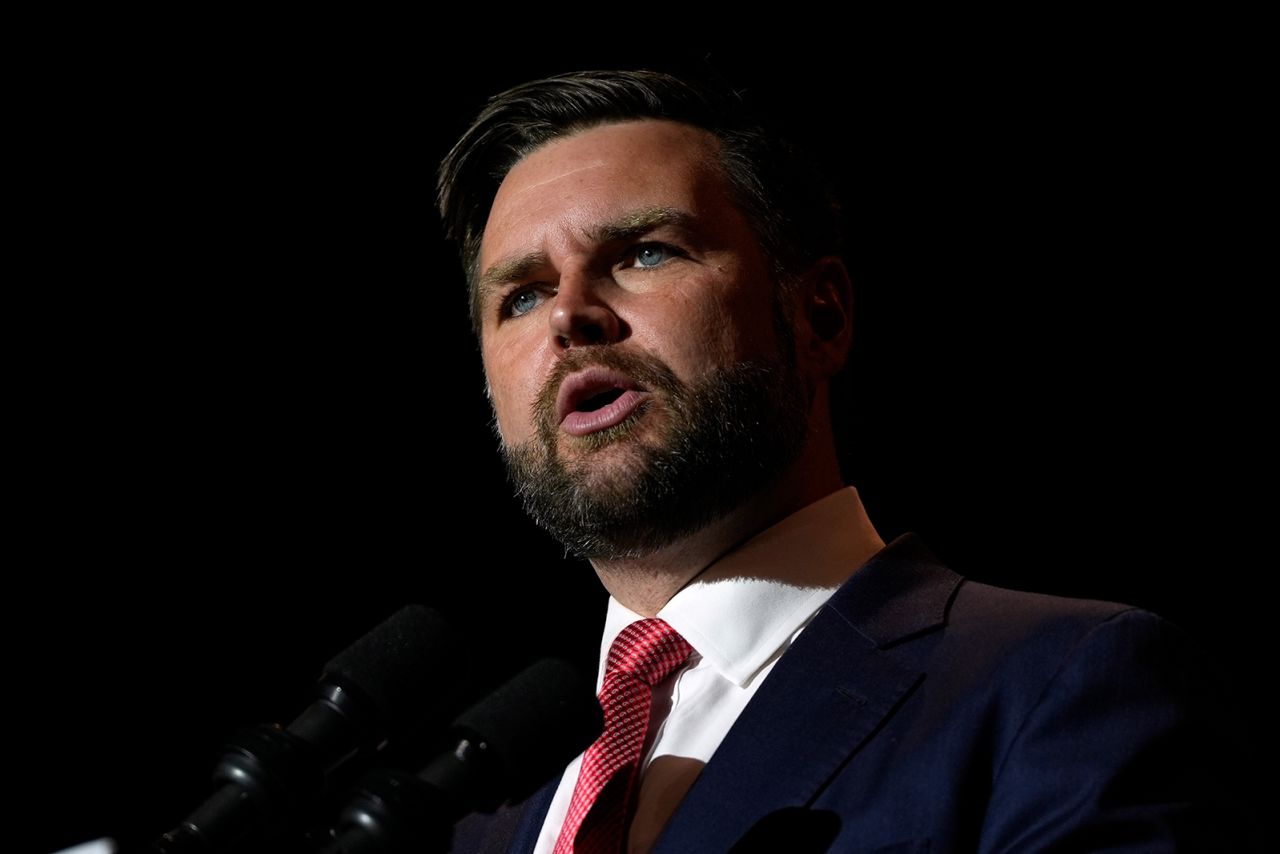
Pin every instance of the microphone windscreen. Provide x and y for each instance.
(533, 725)
(400, 663)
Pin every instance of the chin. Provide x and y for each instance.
(607, 465)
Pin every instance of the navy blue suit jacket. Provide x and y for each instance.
(920, 711)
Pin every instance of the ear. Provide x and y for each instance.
(824, 316)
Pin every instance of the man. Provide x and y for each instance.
(658, 291)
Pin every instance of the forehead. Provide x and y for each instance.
(565, 187)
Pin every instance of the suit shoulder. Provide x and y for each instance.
(1017, 648)
(905, 591)
(998, 612)
(978, 640)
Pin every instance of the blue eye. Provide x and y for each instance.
(523, 302)
(651, 254)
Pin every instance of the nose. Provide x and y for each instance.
(581, 316)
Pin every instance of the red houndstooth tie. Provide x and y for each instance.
(643, 654)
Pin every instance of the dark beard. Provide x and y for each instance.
(726, 438)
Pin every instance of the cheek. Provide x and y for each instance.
(513, 386)
(714, 326)
(714, 332)
(746, 319)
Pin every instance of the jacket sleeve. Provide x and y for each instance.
(1130, 747)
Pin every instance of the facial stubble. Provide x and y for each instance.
(690, 454)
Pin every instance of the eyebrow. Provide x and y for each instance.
(626, 227)
(639, 222)
(508, 271)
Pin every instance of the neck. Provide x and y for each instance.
(645, 584)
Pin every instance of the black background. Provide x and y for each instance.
(247, 410)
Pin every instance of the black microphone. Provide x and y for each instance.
(506, 747)
(268, 777)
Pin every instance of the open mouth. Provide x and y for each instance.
(601, 400)
(596, 399)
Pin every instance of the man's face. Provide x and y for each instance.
(629, 337)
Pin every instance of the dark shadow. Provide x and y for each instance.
(795, 830)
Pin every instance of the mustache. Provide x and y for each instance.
(648, 370)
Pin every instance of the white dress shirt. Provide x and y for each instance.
(739, 615)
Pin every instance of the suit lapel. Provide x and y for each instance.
(508, 829)
(533, 814)
(830, 692)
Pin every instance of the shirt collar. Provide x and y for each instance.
(740, 612)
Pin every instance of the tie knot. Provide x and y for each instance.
(649, 649)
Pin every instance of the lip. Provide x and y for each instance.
(585, 384)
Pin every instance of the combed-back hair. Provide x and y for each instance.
(779, 189)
